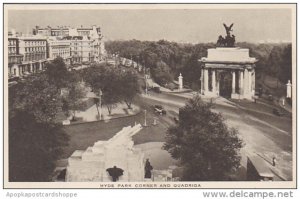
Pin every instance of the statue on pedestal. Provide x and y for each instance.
(115, 173)
(229, 40)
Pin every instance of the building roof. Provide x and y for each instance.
(261, 166)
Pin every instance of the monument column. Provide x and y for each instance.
(180, 82)
(214, 81)
(241, 80)
(289, 89)
(205, 80)
(233, 82)
(250, 81)
(246, 81)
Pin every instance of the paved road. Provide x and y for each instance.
(261, 131)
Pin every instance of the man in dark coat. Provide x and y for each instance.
(148, 169)
(115, 173)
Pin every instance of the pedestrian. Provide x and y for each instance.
(148, 169)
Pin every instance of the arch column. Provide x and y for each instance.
(205, 80)
(214, 81)
(233, 82)
(250, 81)
(241, 82)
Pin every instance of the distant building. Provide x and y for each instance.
(86, 43)
(14, 57)
(59, 48)
(29, 54)
(30, 57)
(34, 51)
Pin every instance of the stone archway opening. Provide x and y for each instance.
(225, 84)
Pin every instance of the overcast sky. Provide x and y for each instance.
(252, 25)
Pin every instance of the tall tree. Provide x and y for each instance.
(205, 146)
(57, 73)
(74, 98)
(36, 137)
(161, 73)
(33, 147)
(286, 64)
(129, 87)
(38, 96)
(107, 80)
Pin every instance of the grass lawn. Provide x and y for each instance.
(86, 134)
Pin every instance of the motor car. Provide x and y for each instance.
(157, 89)
(159, 109)
(277, 112)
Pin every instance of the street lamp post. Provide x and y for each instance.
(145, 124)
(100, 111)
(100, 94)
(146, 89)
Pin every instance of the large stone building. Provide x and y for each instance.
(86, 43)
(228, 72)
(59, 48)
(29, 54)
(14, 57)
(84, 50)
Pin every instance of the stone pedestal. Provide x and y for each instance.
(289, 89)
(91, 164)
(180, 81)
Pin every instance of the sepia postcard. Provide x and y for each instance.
(151, 96)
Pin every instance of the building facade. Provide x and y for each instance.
(32, 55)
(86, 43)
(14, 57)
(29, 54)
(59, 48)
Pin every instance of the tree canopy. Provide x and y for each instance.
(57, 73)
(36, 95)
(36, 136)
(116, 84)
(167, 59)
(205, 146)
(33, 147)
